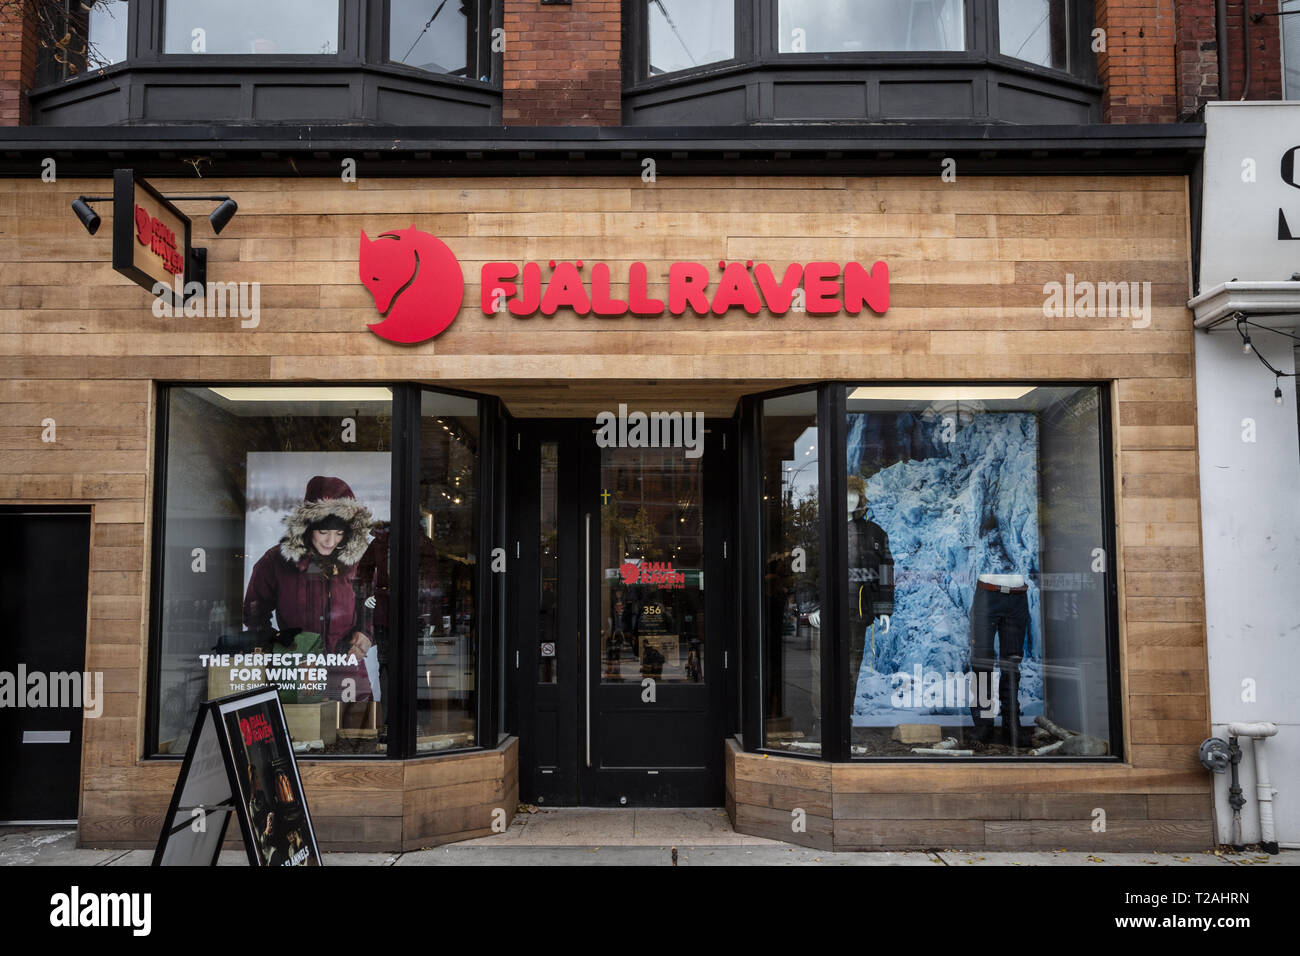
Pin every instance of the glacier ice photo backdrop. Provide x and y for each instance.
(952, 510)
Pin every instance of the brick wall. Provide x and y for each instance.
(17, 64)
(562, 64)
(1198, 54)
(1138, 68)
(1265, 52)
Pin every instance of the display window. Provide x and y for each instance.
(978, 572)
(972, 572)
(792, 584)
(446, 538)
(277, 563)
(276, 505)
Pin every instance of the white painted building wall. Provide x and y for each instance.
(1250, 516)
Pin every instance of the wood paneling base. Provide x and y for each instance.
(967, 807)
(363, 806)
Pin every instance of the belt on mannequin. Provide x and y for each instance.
(999, 589)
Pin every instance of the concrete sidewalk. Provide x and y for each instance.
(587, 837)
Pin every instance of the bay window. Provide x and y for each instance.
(937, 573)
(297, 545)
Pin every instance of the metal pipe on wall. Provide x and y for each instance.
(1245, 47)
(1264, 791)
(1221, 44)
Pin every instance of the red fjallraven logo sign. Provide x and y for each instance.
(418, 288)
(416, 281)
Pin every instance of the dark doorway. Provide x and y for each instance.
(44, 575)
(625, 615)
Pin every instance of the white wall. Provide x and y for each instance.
(1250, 517)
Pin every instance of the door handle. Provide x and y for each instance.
(586, 627)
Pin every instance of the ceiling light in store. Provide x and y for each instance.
(940, 393)
(288, 394)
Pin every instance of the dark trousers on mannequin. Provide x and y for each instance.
(1006, 617)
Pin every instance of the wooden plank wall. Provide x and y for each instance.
(991, 807)
(969, 259)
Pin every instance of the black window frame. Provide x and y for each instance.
(363, 44)
(1080, 20)
(770, 19)
(405, 456)
(757, 46)
(637, 40)
(45, 63)
(837, 718)
(379, 12)
(348, 35)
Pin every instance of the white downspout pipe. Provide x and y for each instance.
(1263, 789)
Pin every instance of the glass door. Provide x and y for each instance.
(657, 621)
(624, 618)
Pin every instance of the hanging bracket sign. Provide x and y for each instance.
(151, 241)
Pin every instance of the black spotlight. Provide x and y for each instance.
(89, 218)
(222, 215)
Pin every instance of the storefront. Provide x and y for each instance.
(800, 488)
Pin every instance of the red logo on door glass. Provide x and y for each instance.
(629, 572)
(416, 282)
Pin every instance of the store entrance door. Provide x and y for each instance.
(624, 614)
(44, 579)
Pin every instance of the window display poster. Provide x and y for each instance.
(277, 481)
(304, 608)
(958, 497)
(268, 790)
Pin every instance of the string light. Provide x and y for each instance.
(1247, 348)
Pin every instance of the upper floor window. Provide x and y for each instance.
(441, 36)
(447, 37)
(689, 33)
(1036, 31)
(392, 62)
(684, 35)
(851, 26)
(82, 37)
(251, 26)
(1291, 49)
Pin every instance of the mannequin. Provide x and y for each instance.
(999, 607)
(871, 574)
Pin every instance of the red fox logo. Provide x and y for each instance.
(416, 282)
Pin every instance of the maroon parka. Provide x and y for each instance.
(310, 592)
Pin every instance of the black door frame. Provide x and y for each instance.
(546, 775)
(569, 780)
(57, 793)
